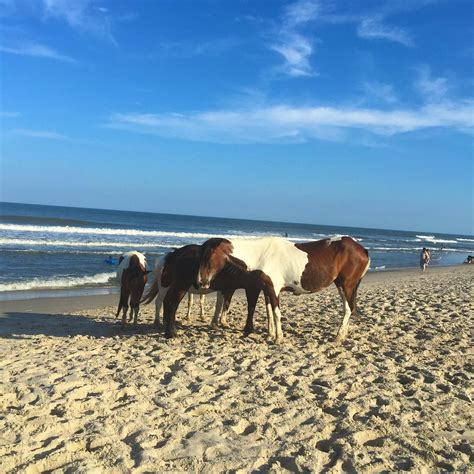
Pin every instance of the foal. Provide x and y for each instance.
(133, 275)
(180, 272)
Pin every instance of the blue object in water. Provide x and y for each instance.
(111, 261)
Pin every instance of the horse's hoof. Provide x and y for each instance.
(170, 335)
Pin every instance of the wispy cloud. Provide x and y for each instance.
(26, 132)
(83, 15)
(374, 28)
(36, 50)
(301, 12)
(432, 88)
(286, 124)
(296, 48)
(380, 91)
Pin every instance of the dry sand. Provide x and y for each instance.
(79, 394)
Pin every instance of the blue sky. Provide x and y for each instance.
(330, 112)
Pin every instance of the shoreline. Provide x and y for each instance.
(64, 300)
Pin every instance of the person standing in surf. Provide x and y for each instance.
(424, 259)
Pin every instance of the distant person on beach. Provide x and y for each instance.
(424, 259)
(469, 259)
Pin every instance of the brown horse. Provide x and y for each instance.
(132, 274)
(180, 272)
(301, 268)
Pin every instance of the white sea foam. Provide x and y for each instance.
(129, 232)
(433, 240)
(68, 243)
(465, 240)
(62, 282)
(413, 249)
(111, 231)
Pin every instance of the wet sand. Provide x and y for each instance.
(78, 393)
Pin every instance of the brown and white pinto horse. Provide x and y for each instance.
(180, 273)
(298, 267)
(132, 274)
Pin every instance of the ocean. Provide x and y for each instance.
(52, 248)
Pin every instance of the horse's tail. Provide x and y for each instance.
(152, 292)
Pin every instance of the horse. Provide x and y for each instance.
(158, 290)
(132, 275)
(179, 273)
(297, 267)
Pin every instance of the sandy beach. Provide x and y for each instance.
(80, 394)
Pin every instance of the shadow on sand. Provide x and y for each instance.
(17, 325)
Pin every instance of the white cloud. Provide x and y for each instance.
(24, 132)
(301, 12)
(372, 27)
(292, 45)
(380, 91)
(433, 88)
(81, 15)
(285, 124)
(296, 50)
(36, 50)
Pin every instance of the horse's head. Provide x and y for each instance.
(213, 256)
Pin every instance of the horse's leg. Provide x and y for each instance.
(270, 321)
(124, 297)
(158, 304)
(202, 299)
(252, 298)
(277, 318)
(190, 304)
(353, 301)
(218, 309)
(171, 302)
(121, 301)
(135, 297)
(227, 299)
(346, 296)
(272, 300)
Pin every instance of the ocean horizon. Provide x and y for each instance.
(52, 247)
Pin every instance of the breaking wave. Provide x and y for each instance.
(61, 282)
(433, 240)
(68, 243)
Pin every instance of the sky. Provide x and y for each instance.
(330, 112)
